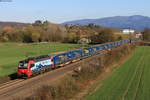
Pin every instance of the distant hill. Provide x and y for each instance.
(12, 24)
(137, 22)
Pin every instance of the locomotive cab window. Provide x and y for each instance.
(23, 65)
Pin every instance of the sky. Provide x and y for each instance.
(59, 11)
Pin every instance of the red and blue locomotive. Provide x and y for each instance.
(36, 65)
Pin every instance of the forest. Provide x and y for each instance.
(48, 32)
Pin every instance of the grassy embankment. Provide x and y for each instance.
(129, 82)
(12, 53)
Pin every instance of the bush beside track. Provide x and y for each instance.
(74, 82)
(145, 43)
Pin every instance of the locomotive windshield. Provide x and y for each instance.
(23, 65)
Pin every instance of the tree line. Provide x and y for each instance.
(48, 32)
(36, 32)
(91, 33)
(146, 35)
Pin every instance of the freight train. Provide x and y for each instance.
(37, 65)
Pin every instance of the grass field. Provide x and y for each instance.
(12, 53)
(131, 81)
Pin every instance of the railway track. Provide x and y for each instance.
(22, 88)
(10, 83)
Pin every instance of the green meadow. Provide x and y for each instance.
(12, 53)
(130, 81)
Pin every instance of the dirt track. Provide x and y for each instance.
(25, 88)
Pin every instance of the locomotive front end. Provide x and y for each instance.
(23, 69)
